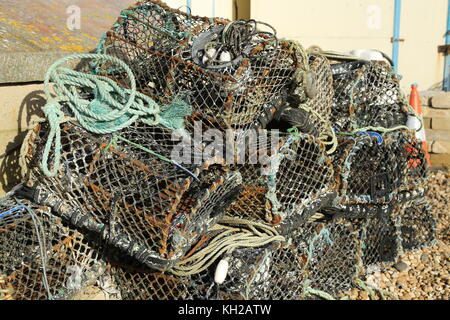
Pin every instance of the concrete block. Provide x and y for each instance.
(427, 123)
(440, 160)
(440, 123)
(440, 147)
(437, 135)
(441, 100)
(429, 112)
(425, 97)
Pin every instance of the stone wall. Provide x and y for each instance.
(436, 109)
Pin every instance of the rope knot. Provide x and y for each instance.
(52, 111)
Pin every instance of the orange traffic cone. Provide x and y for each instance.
(415, 124)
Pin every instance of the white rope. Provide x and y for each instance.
(236, 233)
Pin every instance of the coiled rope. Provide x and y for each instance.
(112, 107)
(235, 233)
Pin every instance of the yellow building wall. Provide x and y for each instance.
(343, 25)
(205, 8)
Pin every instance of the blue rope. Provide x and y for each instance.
(10, 211)
(374, 134)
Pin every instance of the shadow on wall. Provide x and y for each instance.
(10, 172)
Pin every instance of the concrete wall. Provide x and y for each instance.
(343, 25)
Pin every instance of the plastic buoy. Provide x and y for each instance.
(211, 52)
(368, 54)
(221, 271)
(225, 56)
(414, 123)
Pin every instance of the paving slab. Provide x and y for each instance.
(35, 33)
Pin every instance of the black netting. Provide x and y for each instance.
(294, 183)
(367, 94)
(417, 225)
(144, 205)
(38, 248)
(379, 170)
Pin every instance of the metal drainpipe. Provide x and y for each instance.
(214, 8)
(446, 82)
(396, 38)
(188, 4)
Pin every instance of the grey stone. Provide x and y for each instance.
(401, 266)
(424, 257)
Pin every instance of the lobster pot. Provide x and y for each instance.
(288, 186)
(367, 94)
(284, 270)
(380, 241)
(417, 225)
(331, 252)
(314, 90)
(36, 243)
(144, 205)
(144, 284)
(229, 84)
(319, 256)
(269, 271)
(376, 171)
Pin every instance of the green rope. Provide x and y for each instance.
(375, 129)
(159, 156)
(319, 293)
(112, 108)
(360, 284)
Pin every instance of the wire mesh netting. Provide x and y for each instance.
(146, 206)
(230, 71)
(319, 258)
(180, 58)
(294, 182)
(367, 94)
(380, 240)
(417, 225)
(42, 257)
(379, 170)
